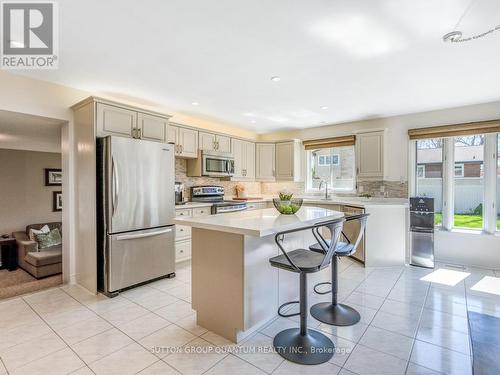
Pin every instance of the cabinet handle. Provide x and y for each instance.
(182, 149)
(139, 133)
(134, 133)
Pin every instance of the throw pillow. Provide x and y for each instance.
(43, 230)
(45, 240)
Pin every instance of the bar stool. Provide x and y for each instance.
(300, 345)
(335, 313)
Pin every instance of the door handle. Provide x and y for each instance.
(142, 235)
(114, 177)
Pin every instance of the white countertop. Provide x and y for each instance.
(351, 201)
(260, 223)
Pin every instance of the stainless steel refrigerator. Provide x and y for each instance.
(135, 209)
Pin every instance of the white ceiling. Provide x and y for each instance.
(26, 132)
(361, 59)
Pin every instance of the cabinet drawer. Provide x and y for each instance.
(203, 211)
(182, 250)
(183, 213)
(182, 232)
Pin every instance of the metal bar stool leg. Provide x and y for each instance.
(301, 345)
(335, 313)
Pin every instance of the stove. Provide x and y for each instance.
(215, 195)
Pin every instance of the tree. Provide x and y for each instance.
(471, 140)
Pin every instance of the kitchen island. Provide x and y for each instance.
(385, 242)
(235, 291)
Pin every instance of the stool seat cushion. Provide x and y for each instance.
(343, 249)
(307, 261)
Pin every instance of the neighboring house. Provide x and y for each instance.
(468, 162)
(335, 165)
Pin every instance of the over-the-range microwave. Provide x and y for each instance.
(217, 164)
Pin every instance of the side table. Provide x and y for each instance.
(8, 248)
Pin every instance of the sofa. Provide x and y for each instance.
(39, 263)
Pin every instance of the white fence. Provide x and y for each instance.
(468, 192)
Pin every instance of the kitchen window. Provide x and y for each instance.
(429, 173)
(332, 165)
(468, 182)
(468, 171)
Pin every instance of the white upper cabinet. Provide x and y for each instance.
(214, 142)
(113, 120)
(244, 159)
(265, 154)
(172, 134)
(370, 154)
(186, 141)
(207, 141)
(223, 143)
(289, 161)
(151, 127)
(125, 122)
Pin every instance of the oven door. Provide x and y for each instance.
(215, 166)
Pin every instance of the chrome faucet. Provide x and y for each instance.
(326, 188)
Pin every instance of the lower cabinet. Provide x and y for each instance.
(183, 232)
(182, 250)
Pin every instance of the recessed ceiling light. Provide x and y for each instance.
(195, 103)
(275, 79)
(324, 107)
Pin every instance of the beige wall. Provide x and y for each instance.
(24, 198)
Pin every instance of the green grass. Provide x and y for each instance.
(464, 221)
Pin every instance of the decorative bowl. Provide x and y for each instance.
(288, 207)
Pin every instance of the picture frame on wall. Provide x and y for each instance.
(57, 201)
(53, 177)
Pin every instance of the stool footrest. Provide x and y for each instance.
(287, 315)
(320, 284)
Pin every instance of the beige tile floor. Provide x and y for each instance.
(409, 326)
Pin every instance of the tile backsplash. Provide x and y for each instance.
(393, 189)
(251, 188)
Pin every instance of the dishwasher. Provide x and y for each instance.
(351, 230)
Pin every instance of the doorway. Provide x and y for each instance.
(32, 204)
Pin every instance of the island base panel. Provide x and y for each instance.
(217, 281)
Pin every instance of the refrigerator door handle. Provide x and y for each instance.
(142, 235)
(114, 199)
